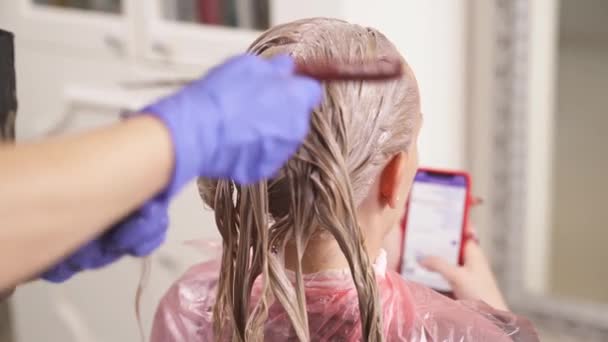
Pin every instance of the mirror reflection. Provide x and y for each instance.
(579, 216)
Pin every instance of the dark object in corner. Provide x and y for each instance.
(8, 93)
(8, 113)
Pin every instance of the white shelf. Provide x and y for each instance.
(113, 97)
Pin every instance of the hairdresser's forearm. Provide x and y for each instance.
(56, 195)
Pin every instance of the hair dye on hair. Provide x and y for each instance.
(357, 128)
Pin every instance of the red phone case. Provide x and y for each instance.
(465, 220)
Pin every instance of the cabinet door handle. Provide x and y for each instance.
(162, 50)
(114, 43)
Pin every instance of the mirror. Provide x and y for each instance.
(538, 154)
(579, 217)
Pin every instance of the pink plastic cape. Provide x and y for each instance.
(411, 312)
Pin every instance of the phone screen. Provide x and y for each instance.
(434, 224)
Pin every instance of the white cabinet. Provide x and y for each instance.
(179, 31)
(98, 27)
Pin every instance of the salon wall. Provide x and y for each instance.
(437, 54)
(431, 34)
(98, 306)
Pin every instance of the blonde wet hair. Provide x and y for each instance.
(353, 134)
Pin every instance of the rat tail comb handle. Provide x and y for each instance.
(322, 70)
(379, 70)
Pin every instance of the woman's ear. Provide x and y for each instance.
(391, 180)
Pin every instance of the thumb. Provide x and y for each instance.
(283, 63)
(437, 264)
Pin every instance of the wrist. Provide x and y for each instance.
(157, 138)
(192, 130)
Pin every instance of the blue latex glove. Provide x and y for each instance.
(137, 235)
(242, 121)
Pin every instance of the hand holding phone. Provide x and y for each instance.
(434, 224)
(472, 281)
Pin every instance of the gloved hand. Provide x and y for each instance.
(137, 235)
(241, 121)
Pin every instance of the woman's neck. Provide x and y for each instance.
(323, 254)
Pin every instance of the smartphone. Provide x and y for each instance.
(434, 223)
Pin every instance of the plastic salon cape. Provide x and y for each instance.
(411, 312)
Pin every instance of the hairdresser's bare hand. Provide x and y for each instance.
(472, 281)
